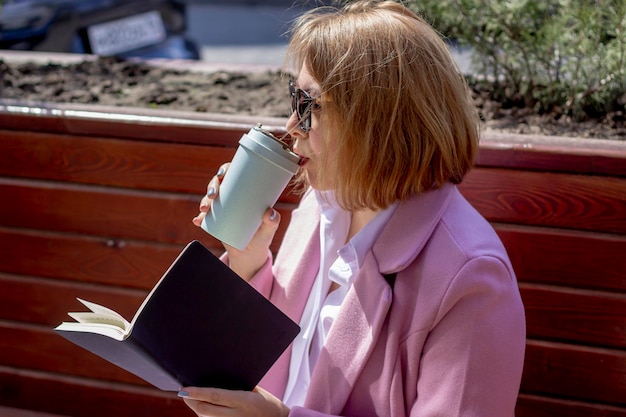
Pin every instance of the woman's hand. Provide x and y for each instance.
(245, 262)
(211, 193)
(215, 402)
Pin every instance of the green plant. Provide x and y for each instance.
(565, 57)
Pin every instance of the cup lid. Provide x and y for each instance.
(269, 147)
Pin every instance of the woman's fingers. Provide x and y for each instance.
(268, 228)
(213, 187)
(246, 263)
(211, 194)
(197, 221)
(216, 402)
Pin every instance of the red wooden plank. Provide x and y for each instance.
(21, 412)
(120, 263)
(133, 123)
(575, 372)
(111, 212)
(112, 162)
(169, 167)
(123, 263)
(115, 215)
(575, 316)
(566, 257)
(17, 117)
(547, 199)
(553, 153)
(536, 406)
(46, 301)
(40, 349)
(71, 396)
(520, 151)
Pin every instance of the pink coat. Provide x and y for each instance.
(447, 340)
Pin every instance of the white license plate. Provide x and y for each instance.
(125, 34)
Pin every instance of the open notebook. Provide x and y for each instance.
(201, 325)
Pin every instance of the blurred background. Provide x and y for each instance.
(215, 31)
(240, 31)
(235, 30)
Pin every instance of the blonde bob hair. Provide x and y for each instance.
(394, 102)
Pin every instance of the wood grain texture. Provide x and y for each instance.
(43, 350)
(100, 211)
(125, 264)
(157, 166)
(538, 406)
(575, 372)
(46, 301)
(579, 202)
(81, 397)
(168, 167)
(594, 318)
(572, 258)
(553, 154)
(109, 213)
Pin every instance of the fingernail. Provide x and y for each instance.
(183, 394)
(220, 172)
(273, 215)
(211, 192)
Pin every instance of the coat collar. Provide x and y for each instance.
(359, 323)
(397, 245)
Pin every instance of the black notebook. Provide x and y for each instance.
(201, 325)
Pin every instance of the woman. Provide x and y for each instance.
(405, 295)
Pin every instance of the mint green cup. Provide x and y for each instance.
(259, 172)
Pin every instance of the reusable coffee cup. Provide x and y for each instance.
(258, 174)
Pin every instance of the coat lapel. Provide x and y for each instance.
(297, 263)
(354, 332)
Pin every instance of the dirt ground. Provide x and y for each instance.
(108, 81)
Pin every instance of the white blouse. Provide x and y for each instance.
(339, 262)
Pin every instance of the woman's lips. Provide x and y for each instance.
(303, 159)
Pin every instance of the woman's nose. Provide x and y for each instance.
(293, 126)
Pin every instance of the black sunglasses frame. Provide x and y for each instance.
(303, 104)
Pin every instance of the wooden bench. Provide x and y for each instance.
(97, 202)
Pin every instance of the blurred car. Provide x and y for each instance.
(125, 28)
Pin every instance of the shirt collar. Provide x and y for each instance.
(356, 249)
(362, 242)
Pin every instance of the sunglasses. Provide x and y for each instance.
(303, 104)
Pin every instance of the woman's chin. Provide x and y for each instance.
(312, 180)
(317, 185)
